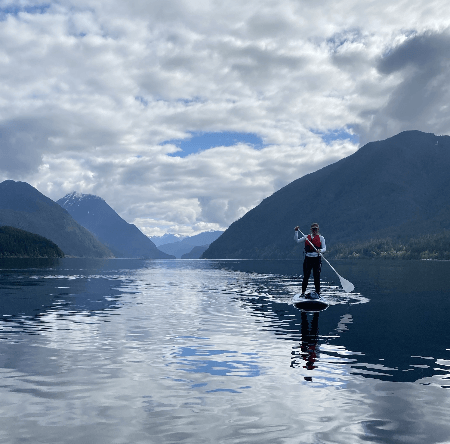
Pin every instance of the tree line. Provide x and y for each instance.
(15, 242)
(428, 246)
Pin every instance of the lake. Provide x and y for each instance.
(204, 351)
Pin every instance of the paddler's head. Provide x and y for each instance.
(315, 228)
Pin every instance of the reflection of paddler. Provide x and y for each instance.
(309, 349)
(310, 338)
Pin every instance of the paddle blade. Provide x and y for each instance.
(346, 285)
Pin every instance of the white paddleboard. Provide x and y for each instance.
(309, 303)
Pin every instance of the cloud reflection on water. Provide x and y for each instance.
(202, 351)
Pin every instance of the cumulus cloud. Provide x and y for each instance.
(93, 92)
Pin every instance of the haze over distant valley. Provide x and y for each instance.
(190, 247)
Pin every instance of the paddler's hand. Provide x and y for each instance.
(296, 228)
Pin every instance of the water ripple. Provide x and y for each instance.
(214, 351)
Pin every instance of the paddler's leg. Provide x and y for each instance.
(316, 273)
(307, 267)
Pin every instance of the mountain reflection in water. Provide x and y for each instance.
(214, 351)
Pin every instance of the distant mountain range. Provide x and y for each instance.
(398, 188)
(123, 239)
(190, 247)
(166, 238)
(24, 207)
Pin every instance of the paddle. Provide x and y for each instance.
(346, 285)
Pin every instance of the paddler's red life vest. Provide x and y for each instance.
(316, 242)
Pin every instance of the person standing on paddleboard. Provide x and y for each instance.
(313, 260)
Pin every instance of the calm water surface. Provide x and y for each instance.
(129, 351)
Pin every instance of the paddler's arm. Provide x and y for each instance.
(324, 246)
(296, 238)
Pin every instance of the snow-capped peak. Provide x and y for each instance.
(76, 197)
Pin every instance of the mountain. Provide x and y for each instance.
(24, 207)
(195, 253)
(20, 243)
(204, 238)
(122, 238)
(166, 238)
(185, 245)
(397, 188)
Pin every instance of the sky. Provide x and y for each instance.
(184, 115)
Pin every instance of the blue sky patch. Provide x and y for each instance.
(200, 141)
(142, 100)
(191, 359)
(338, 134)
(16, 9)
